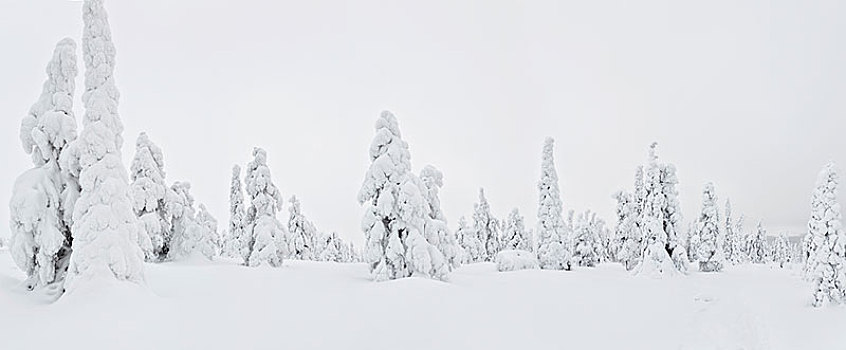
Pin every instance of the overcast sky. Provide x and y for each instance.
(750, 95)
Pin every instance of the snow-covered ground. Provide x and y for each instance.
(312, 305)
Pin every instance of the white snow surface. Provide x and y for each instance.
(321, 305)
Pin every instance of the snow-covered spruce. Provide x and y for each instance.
(42, 198)
(194, 235)
(333, 248)
(827, 241)
(756, 245)
(661, 216)
(514, 260)
(553, 248)
(471, 246)
(733, 242)
(586, 243)
(237, 242)
(267, 236)
(149, 193)
(628, 231)
(781, 251)
(514, 235)
(303, 233)
(487, 227)
(435, 229)
(107, 238)
(394, 215)
(709, 252)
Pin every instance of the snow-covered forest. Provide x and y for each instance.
(106, 252)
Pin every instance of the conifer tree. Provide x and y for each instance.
(553, 236)
(487, 227)
(827, 241)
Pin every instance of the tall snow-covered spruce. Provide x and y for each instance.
(826, 263)
(628, 231)
(267, 236)
(105, 229)
(42, 199)
(393, 222)
(553, 249)
(149, 195)
(660, 216)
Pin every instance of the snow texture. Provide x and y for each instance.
(515, 260)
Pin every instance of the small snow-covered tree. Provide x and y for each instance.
(266, 234)
(487, 227)
(733, 246)
(149, 193)
(101, 250)
(586, 245)
(515, 236)
(436, 230)
(781, 252)
(238, 242)
(333, 248)
(194, 234)
(708, 231)
(471, 245)
(628, 231)
(303, 233)
(553, 237)
(393, 223)
(756, 245)
(827, 241)
(42, 199)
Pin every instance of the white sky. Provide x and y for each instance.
(750, 95)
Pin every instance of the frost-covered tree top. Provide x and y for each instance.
(50, 124)
(390, 156)
(105, 229)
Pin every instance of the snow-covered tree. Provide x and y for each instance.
(194, 234)
(709, 252)
(267, 236)
(105, 230)
(661, 211)
(393, 223)
(435, 229)
(827, 241)
(756, 245)
(515, 236)
(333, 248)
(656, 257)
(586, 244)
(628, 231)
(781, 251)
(733, 242)
(553, 249)
(303, 233)
(486, 227)
(149, 192)
(471, 245)
(237, 241)
(42, 199)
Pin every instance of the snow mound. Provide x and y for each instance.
(514, 260)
